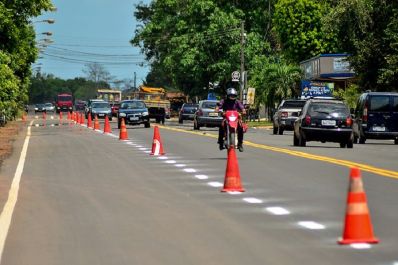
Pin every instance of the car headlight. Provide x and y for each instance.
(36, 109)
(145, 113)
(122, 115)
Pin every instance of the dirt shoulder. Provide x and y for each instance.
(8, 134)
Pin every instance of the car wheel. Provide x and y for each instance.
(302, 141)
(350, 143)
(280, 131)
(162, 120)
(355, 140)
(396, 141)
(147, 125)
(362, 140)
(343, 145)
(180, 121)
(119, 124)
(295, 140)
(275, 130)
(110, 118)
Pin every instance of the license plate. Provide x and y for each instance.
(213, 114)
(133, 118)
(329, 122)
(379, 129)
(101, 115)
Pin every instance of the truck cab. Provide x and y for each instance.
(64, 102)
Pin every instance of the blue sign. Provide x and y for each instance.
(211, 96)
(316, 89)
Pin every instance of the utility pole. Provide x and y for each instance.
(135, 79)
(242, 59)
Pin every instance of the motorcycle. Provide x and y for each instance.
(230, 123)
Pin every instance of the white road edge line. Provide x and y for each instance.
(9, 206)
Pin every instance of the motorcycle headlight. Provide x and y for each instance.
(122, 115)
(145, 113)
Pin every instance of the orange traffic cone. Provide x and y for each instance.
(232, 176)
(77, 118)
(96, 123)
(123, 131)
(357, 227)
(89, 121)
(107, 126)
(44, 115)
(68, 116)
(157, 147)
(82, 119)
(60, 116)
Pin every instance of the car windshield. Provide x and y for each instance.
(209, 105)
(100, 105)
(49, 105)
(328, 108)
(64, 98)
(133, 105)
(190, 106)
(293, 104)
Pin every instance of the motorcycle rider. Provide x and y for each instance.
(231, 103)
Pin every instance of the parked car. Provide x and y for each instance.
(101, 109)
(49, 107)
(115, 108)
(324, 121)
(206, 116)
(89, 103)
(376, 117)
(286, 114)
(187, 112)
(40, 108)
(134, 112)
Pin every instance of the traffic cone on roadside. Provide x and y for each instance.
(82, 119)
(68, 118)
(107, 126)
(157, 147)
(77, 118)
(96, 123)
(232, 175)
(123, 131)
(357, 225)
(89, 121)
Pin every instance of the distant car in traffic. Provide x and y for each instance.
(286, 114)
(49, 107)
(134, 112)
(100, 109)
(115, 108)
(89, 102)
(206, 116)
(80, 104)
(187, 112)
(324, 121)
(376, 117)
(40, 108)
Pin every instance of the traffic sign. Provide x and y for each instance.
(235, 76)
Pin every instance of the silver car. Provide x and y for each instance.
(286, 114)
(49, 107)
(206, 116)
(100, 109)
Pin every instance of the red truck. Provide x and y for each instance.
(64, 102)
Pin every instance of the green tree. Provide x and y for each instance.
(298, 25)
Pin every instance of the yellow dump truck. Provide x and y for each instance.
(156, 102)
(110, 95)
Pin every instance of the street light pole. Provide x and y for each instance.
(242, 59)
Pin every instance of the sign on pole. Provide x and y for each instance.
(251, 91)
(235, 76)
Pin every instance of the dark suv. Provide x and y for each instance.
(324, 121)
(376, 117)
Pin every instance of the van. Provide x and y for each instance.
(376, 117)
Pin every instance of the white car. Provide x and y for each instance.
(49, 107)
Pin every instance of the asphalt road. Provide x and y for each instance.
(88, 198)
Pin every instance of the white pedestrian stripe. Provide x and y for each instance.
(201, 177)
(143, 148)
(189, 170)
(170, 161)
(163, 157)
(252, 200)
(277, 210)
(364, 246)
(180, 165)
(215, 184)
(311, 225)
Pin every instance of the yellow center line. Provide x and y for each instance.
(340, 162)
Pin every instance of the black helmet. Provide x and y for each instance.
(232, 93)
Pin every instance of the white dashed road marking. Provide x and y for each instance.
(311, 225)
(252, 200)
(277, 210)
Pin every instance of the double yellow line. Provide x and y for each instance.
(340, 162)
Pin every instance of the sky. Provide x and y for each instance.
(91, 31)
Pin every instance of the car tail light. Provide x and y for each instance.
(308, 120)
(348, 121)
(284, 114)
(365, 114)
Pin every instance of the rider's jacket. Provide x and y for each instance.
(228, 104)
